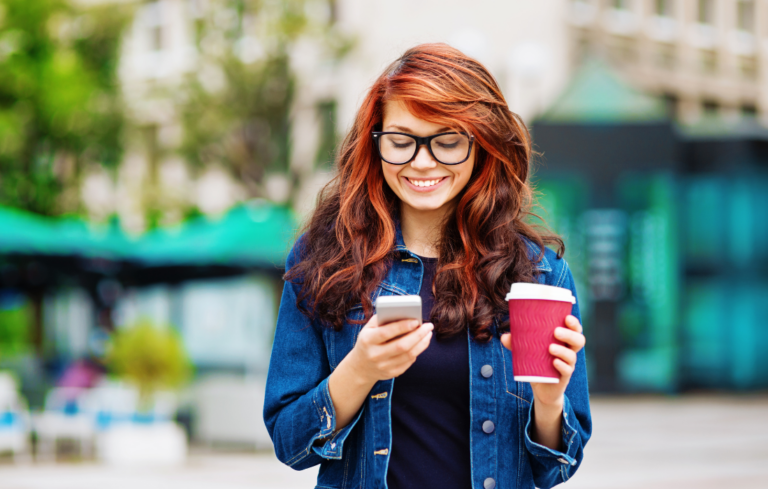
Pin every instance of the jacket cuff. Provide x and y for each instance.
(569, 440)
(328, 443)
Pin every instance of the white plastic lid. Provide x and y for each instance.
(522, 290)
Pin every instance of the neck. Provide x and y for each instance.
(421, 229)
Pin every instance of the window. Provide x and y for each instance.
(334, 7)
(326, 151)
(622, 50)
(671, 102)
(621, 4)
(708, 61)
(749, 111)
(153, 20)
(664, 8)
(747, 67)
(706, 14)
(745, 15)
(710, 108)
(666, 56)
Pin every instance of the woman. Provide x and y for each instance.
(430, 198)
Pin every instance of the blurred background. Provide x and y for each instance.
(158, 157)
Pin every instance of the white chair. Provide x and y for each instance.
(66, 417)
(123, 438)
(14, 420)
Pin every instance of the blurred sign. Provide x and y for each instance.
(606, 232)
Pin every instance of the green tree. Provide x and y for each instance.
(60, 108)
(235, 110)
(149, 356)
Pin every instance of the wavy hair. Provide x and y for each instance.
(348, 243)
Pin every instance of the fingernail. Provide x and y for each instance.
(414, 323)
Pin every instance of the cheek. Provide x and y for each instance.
(390, 175)
(463, 178)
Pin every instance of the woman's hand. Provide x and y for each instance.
(548, 399)
(564, 362)
(380, 353)
(384, 352)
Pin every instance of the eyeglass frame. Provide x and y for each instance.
(427, 140)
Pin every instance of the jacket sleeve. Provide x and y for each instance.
(551, 467)
(298, 410)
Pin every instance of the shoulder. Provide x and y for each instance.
(554, 269)
(297, 253)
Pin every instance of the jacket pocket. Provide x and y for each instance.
(520, 390)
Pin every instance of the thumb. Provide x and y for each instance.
(373, 322)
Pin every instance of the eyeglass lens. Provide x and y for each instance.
(449, 148)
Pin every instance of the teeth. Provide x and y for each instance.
(424, 183)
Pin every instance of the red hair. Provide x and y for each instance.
(349, 241)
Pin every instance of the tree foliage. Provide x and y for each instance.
(59, 99)
(150, 357)
(235, 110)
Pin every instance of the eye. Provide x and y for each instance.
(448, 144)
(400, 143)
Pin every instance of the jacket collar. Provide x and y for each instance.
(533, 253)
(533, 250)
(399, 242)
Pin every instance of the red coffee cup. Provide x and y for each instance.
(535, 311)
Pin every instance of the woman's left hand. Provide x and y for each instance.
(564, 362)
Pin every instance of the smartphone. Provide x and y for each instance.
(391, 308)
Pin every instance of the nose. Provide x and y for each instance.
(423, 159)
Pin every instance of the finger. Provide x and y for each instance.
(386, 332)
(563, 353)
(407, 342)
(407, 358)
(575, 340)
(417, 349)
(573, 323)
(565, 370)
(506, 341)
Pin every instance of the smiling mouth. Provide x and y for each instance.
(424, 183)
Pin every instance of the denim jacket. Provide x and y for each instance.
(300, 418)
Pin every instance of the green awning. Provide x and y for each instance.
(251, 235)
(25, 233)
(254, 234)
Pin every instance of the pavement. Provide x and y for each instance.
(677, 442)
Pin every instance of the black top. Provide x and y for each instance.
(430, 411)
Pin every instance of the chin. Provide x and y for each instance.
(425, 206)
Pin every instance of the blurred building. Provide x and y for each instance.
(705, 57)
(634, 213)
(663, 235)
(525, 46)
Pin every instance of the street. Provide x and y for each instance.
(639, 442)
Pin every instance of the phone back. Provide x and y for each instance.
(391, 308)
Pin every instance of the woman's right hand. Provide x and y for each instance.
(384, 352)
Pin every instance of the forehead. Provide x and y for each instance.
(396, 113)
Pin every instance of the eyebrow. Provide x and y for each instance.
(410, 131)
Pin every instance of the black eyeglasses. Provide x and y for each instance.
(399, 148)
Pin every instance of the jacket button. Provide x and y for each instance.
(562, 460)
(486, 371)
(488, 427)
(489, 483)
